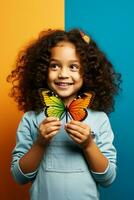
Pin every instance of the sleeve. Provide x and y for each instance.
(105, 144)
(24, 141)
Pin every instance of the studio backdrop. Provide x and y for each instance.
(110, 23)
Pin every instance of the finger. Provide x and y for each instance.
(79, 129)
(51, 129)
(50, 119)
(77, 123)
(51, 135)
(74, 127)
(45, 130)
(77, 140)
(74, 133)
(44, 125)
(53, 123)
(48, 134)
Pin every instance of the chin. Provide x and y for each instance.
(62, 96)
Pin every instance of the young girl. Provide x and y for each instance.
(66, 87)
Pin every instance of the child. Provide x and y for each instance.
(66, 87)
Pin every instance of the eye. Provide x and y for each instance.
(74, 67)
(54, 66)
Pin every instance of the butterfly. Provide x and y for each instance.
(54, 106)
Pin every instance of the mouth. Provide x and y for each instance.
(63, 84)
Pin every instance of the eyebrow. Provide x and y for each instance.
(53, 59)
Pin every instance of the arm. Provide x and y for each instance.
(95, 158)
(80, 133)
(28, 154)
(104, 142)
(101, 157)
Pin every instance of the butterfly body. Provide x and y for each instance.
(54, 106)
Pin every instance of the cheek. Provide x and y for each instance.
(50, 79)
(78, 78)
(81, 82)
(51, 76)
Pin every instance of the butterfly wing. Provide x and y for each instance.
(77, 108)
(54, 107)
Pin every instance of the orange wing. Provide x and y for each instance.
(77, 108)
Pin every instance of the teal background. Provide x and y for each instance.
(111, 25)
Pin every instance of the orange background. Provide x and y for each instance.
(20, 22)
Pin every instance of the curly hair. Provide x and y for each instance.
(31, 68)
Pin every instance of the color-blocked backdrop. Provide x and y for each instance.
(111, 24)
(20, 21)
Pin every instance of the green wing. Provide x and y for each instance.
(54, 107)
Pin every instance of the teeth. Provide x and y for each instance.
(64, 84)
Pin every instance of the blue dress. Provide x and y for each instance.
(63, 173)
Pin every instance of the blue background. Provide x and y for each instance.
(111, 25)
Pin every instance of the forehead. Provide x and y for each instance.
(65, 44)
(64, 50)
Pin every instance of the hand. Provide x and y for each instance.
(79, 132)
(47, 129)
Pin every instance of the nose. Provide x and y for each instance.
(63, 73)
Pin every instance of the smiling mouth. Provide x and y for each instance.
(63, 83)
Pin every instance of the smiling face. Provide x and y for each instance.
(64, 72)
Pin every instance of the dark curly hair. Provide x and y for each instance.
(30, 73)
